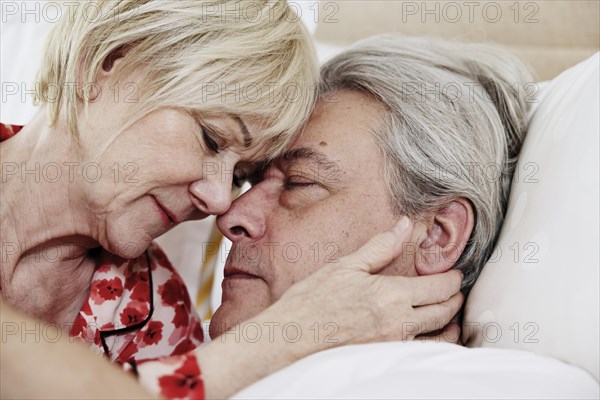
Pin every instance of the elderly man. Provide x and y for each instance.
(396, 132)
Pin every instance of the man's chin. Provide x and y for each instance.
(218, 324)
(230, 314)
(226, 317)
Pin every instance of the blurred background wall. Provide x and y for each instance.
(551, 35)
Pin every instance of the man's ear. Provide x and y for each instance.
(448, 231)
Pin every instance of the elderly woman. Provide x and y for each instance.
(151, 111)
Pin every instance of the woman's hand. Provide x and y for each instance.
(338, 305)
(450, 334)
(363, 307)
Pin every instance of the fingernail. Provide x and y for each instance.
(402, 225)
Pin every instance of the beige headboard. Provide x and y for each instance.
(551, 35)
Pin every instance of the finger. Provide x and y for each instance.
(435, 316)
(381, 249)
(450, 334)
(432, 289)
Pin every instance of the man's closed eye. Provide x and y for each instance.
(298, 182)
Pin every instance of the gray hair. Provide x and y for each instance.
(455, 111)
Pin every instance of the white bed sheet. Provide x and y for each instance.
(425, 370)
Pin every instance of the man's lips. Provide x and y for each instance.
(169, 218)
(235, 278)
(233, 272)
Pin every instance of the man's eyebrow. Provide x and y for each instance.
(307, 153)
(245, 132)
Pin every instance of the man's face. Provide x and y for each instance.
(322, 200)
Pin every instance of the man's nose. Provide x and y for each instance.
(212, 194)
(245, 219)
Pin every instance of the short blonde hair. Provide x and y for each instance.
(203, 56)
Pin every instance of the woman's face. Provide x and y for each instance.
(166, 168)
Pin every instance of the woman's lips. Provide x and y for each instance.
(166, 215)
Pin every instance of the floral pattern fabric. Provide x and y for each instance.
(175, 377)
(8, 131)
(138, 309)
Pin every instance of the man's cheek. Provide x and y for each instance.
(291, 271)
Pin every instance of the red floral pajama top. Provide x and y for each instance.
(139, 314)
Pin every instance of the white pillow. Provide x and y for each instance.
(416, 370)
(540, 290)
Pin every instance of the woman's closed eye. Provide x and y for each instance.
(211, 143)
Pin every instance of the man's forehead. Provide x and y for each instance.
(317, 144)
(340, 121)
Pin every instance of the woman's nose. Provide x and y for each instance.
(245, 219)
(211, 196)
